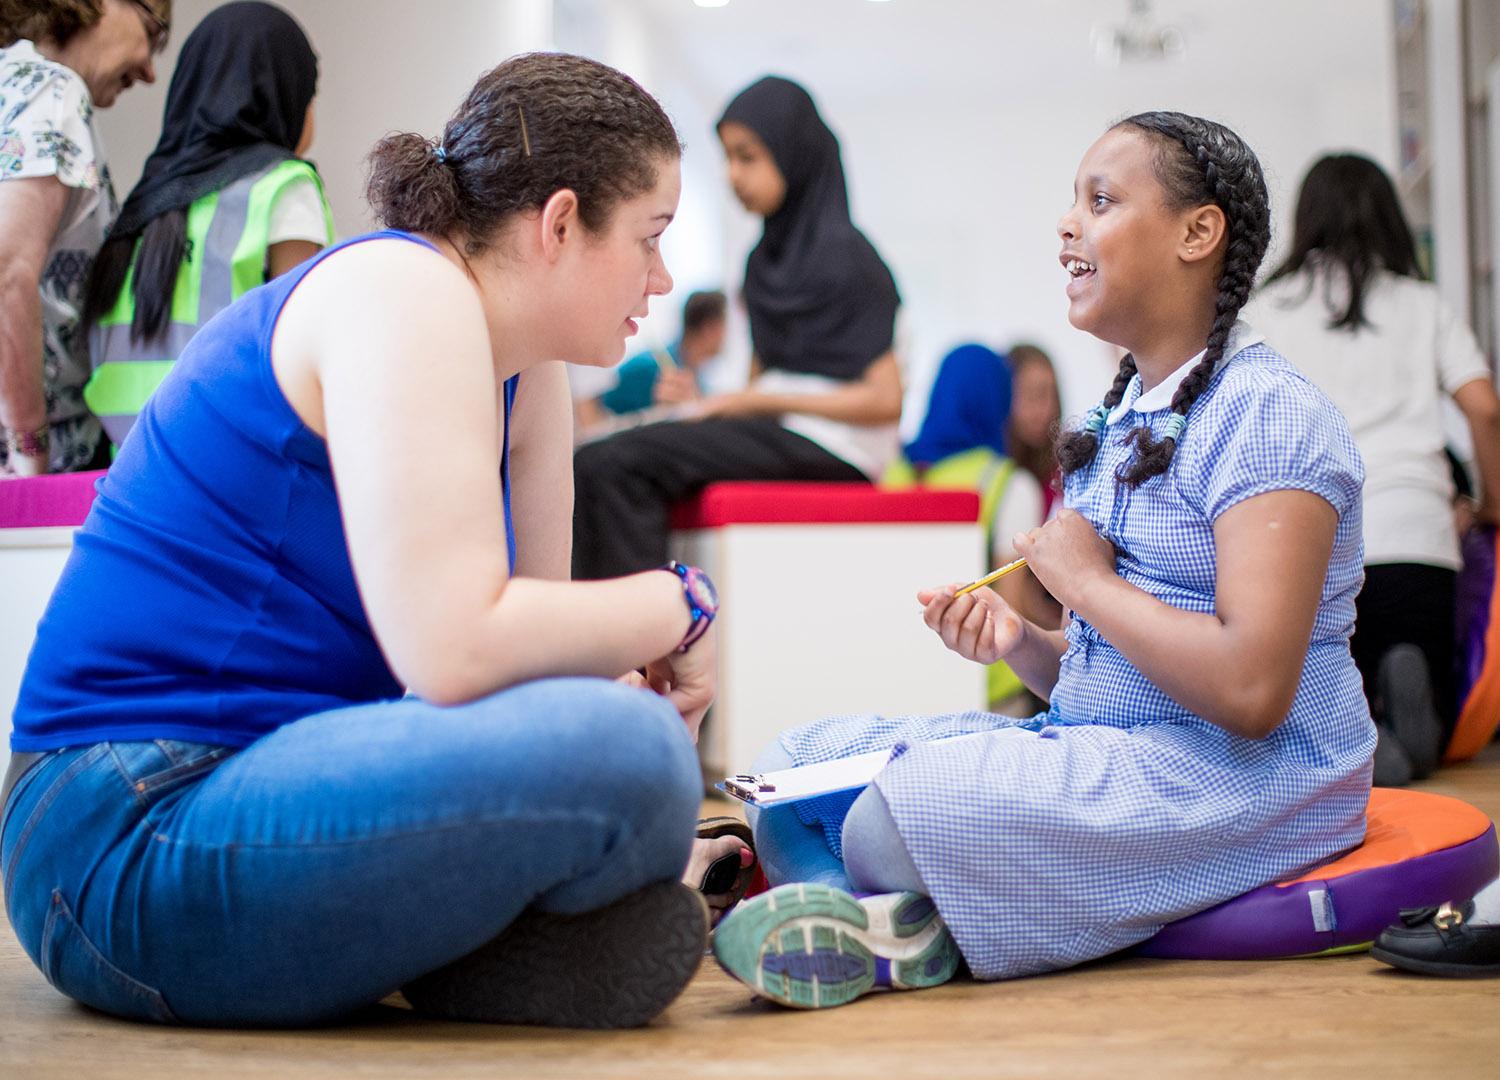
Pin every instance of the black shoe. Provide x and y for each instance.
(1440, 941)
(616, 967)
(1404, 685)
(1392, 766)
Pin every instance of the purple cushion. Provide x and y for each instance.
(1420, 849)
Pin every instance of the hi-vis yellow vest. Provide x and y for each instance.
(228, 233)
(988, 473)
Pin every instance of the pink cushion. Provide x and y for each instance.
(751, 503)
(47, 501)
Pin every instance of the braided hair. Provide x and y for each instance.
(1197, 162)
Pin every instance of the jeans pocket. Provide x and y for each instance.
(73, 964)
(154, 768)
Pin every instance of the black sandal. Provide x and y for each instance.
(725, 874)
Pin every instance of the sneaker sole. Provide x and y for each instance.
(814, 947)
(617, 967)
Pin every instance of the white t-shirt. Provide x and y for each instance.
(47, 129)
(869, 448)
(1019, 510)
(297, 214)
(1389, 380)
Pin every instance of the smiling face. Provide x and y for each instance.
(115, 53)
(753, 173)
(609, 278)
(1121, 240)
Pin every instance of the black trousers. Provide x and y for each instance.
(1408, 602)
(625, 485)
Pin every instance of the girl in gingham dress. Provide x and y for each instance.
(1207, 732)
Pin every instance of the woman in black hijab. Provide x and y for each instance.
(223, 198)
(825, 389)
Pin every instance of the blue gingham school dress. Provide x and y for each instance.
(1051, 841)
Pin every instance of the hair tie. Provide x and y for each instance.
(441, 154)
(1175, 425)
(1093, 424)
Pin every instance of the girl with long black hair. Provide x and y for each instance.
(1351, 307)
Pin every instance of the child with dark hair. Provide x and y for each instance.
(670, 375)
(1206, 732)
(1351, 308)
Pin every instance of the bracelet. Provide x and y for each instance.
(29, 443)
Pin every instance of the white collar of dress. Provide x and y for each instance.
(1241, 336)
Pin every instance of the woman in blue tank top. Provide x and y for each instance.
(356, 482)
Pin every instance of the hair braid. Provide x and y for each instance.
(1200, 162)
(1075, 449)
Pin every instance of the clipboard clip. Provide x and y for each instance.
(748, 786)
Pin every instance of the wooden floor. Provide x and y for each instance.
(1117, 1018)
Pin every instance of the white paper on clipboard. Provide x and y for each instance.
(806, 781)
(824, 778)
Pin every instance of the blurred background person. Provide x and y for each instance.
(61, 60)
(664, 376)
(964, 444)
(1350, 306)
(225, 203)
(825, 391)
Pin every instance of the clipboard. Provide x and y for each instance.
(808, 781)
(828, 777)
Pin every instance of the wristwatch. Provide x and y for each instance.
(29, 443)
(702, 601)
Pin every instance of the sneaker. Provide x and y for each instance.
(813, 947)
(1404, 686)
(616, 967)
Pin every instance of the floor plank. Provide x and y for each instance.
(1116, 1018)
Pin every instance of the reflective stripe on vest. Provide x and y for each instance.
(227, 248)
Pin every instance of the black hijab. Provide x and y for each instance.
(237, 102)
(820, 299)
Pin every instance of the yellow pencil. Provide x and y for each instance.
(992, 577)
(664, 361)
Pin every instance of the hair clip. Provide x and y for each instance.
(1093, 424)
(1175, 425)
(440, 153)
(525, 135)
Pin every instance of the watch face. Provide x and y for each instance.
(701, 591)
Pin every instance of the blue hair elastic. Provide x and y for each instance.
(441, 154)
(1175, 425)
(1093, 424)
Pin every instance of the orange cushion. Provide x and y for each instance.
(1401, 825)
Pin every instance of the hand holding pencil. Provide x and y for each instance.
(974, 622)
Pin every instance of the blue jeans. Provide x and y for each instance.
(328, 863)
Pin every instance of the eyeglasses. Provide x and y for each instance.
(157, 28)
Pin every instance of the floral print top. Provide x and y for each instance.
(47, 129)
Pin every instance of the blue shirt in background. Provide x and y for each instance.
(637, 385)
